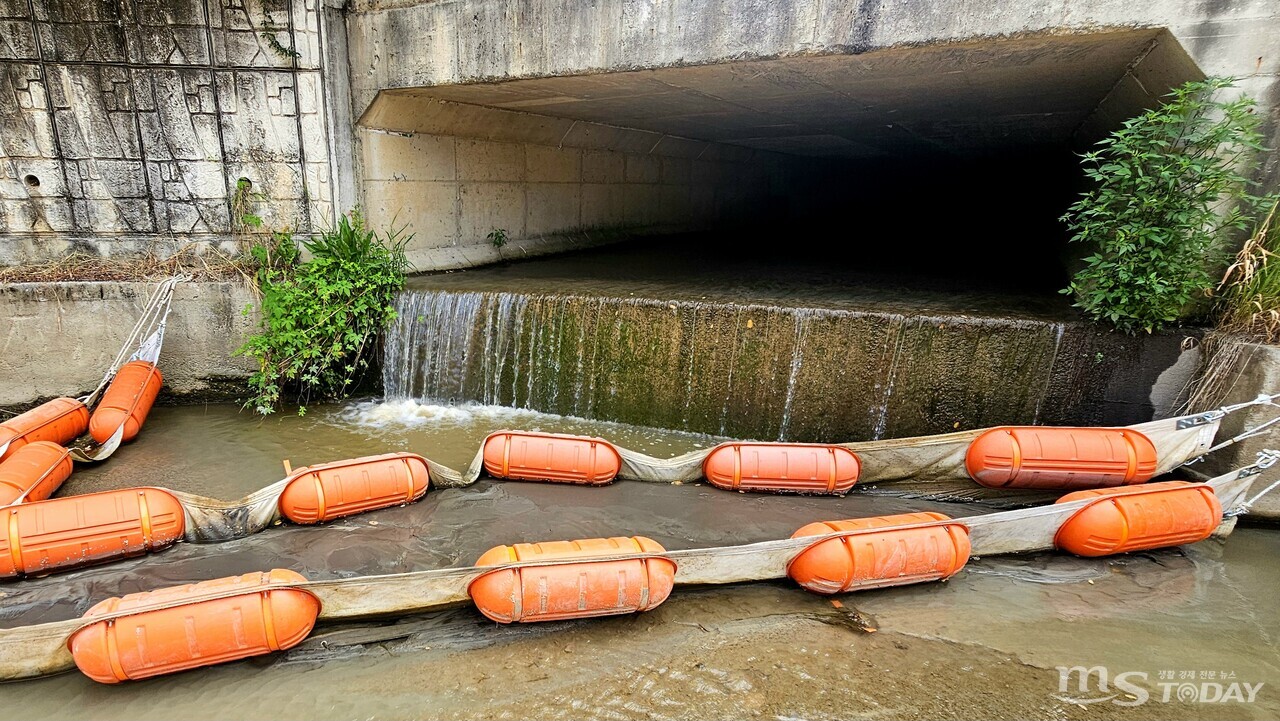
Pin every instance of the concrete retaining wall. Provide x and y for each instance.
(128, 125)
(1257, 371)
(59, 337)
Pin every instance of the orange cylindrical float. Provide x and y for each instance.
(1138, 518)
(258, 619)
(525, 456)
(60, 421)
(575, 588)
(333, 490)
(880, 551)
(34, 472)
(782, 467)
(1060, 458)
(127, 401)
(65, 533)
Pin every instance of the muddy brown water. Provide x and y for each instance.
(984, 644)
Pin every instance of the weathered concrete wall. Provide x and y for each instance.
(125, 126)
(59, 338)
(406, 44)
(1256, 372)
(453, 178)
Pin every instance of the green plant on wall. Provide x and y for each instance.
(322, 317)
(270, 32)
(498, 237)
(244, 219)
(1170, 188)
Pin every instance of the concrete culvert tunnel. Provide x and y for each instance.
(944, 161)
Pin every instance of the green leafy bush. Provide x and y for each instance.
(322, 318)
(1171, 187)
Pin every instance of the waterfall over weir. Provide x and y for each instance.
(751, 371)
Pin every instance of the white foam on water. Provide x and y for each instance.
(391, 415)
(411, 413)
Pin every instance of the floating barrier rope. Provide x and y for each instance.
(115, 410)
(933, 467)
(74, 531)
(186, 627)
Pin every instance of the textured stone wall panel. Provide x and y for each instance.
(258, 116)
(241, 29)
(170, 32)
(25, 128)
(17, 39)
(93, 109)
(125, 125)
(84, 30)
(178, 115)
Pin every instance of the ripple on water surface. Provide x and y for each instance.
(222, 451)
(983, 644)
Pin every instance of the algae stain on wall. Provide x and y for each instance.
(751, 371)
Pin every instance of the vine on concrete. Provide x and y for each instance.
(270, 32)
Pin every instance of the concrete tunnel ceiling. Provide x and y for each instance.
(959, 99)
(799, 144)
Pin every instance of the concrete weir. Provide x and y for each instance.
(753, 350)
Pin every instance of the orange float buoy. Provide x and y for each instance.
(34, 472)
(782, 467)
(333, 490)
(128, 400)
(60, 421)
(1060, 458)
(1138, 518)
(524, 456)
(256, 620)
(883, 551)
(574, 588)
(65, 533)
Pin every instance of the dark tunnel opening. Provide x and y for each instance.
(941, 169)
(989, 222)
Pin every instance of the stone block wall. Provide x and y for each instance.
(126, 125)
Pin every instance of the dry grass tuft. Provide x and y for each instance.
(1248, 309)
(1249, 294)
(200, 263)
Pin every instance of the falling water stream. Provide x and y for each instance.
(754, 350)
(747, 370)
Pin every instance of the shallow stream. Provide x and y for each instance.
(984, 644)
